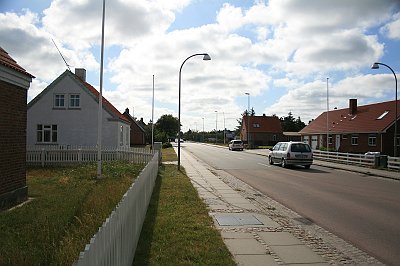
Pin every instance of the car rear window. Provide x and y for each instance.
(299, 147)
(237, 142)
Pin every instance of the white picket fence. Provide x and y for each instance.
(394, 163)
(116, 241)
(345, 158)
(56, 155)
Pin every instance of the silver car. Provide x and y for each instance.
(291, 153)
(235, 145)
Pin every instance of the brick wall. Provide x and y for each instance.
(12, 144)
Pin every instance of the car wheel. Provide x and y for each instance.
(307, 166)
(283, 163)
(270, 160)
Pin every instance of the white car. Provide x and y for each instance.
(291, 153)
(235, 145)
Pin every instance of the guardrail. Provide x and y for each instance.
(393, 163)
(346, 158)
(56, 155)
(116, 241)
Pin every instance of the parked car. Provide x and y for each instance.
(235, 145)
(291, 153)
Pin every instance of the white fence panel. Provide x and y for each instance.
(346, 158)
(394, 163)
(116, 241)
(54, 155)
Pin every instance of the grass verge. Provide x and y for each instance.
(177, 229)
(169, 155)
(67, 208)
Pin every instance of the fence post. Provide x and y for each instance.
(157, 147)
(42, 155)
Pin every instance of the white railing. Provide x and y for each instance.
(116, 241)
(393, 163)
(55, 155)
(345, 158)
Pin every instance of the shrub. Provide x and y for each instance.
(166, 145)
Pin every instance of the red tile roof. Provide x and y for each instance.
(106, 103)
(6, 60)
(267, 124)
(365, 120)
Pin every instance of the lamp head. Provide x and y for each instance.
(375, 66)
(206, 57)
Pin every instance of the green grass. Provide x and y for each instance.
(168, 155)
(67, 208)
(178, 229)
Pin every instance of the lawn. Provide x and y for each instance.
(178, 229)
(67, 207)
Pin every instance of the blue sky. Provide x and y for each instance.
(280, 51)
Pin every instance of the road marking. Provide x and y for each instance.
(263, 164)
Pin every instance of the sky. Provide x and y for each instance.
(288, 55)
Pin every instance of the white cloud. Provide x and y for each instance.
(392, 29)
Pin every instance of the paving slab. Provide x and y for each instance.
(297, 254)
(236, 235)
(245, 247)
(255, 260)
(279, 238)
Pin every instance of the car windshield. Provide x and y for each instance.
(299, 147)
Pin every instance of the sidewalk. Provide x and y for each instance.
(252, 237)
(352, 168)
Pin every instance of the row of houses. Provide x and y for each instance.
(63, 114)
(356, 129)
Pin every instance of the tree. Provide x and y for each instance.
(166, 127)
(289, 123)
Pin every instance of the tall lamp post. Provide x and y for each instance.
(203, 128)
(216, 127)
(248, 119)
(327, 115)
(206, 57)
(376, 66)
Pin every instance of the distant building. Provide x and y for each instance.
(357, 129)
(14, 84)
(262, 130)
(137, 134)
(65, 113)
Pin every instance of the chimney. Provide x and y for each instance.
(127, 111)
(81, 73)
(353, 106)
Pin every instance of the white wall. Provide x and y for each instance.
(75, 126)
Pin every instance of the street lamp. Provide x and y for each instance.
(248, 119)
(203, 128)
(216, 127)
(376, 66)
(206, 57)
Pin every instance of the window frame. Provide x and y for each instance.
(70, 100)
(57, 100)
(354, 137)
(47, 133)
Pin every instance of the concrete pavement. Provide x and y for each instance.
(252, 237)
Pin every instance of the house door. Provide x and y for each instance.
(337, 143)
(314, 142)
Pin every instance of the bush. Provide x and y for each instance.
(166, 145)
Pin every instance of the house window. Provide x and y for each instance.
(74, 101)
(372, 140)
(59, 100)
(46, 133)
(274, 137)
(330, 139)
(256, 125)
(354, 140)
(127, 135)
(344, 136)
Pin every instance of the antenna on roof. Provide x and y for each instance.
(61, 54)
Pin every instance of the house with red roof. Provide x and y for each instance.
(14, 84)
(138, 134)
(65, 113)
(357, 129)
(261, 130)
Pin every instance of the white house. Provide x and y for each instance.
(66, 111)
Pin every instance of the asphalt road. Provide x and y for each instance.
(361, 209)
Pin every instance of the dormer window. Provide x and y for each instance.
(382, 115)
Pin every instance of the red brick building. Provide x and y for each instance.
(357, 129)
(14, 84)
(262, 130)
(137, 133)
